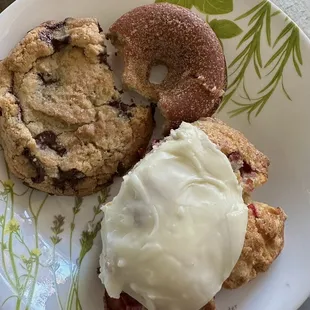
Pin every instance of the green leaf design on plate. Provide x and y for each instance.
(259, 23)
(57, 229)
(214, 7)
(24, 278)
(251, 52)
(225, 29)
(21, 271)
(86, 241)
(289, 50)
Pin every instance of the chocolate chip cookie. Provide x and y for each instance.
(63, 126)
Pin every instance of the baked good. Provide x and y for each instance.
(156, 213)
(176, 37)
(264, 241)
(264, 238)
(63, 127)
(264, 235)
(249, 164)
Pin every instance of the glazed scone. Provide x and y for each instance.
(264, 241)
(63, 127)
(249, 164)
(264, 238)
(197, 201)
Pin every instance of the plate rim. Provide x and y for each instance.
(9, 10)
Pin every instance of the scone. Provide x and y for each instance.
(264, 241)
(249, 164)
(63, 127)
(264, 237)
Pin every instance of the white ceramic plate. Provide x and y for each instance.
(49, 246)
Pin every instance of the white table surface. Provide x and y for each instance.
(299, 11)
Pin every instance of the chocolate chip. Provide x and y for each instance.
(70, 178)
(17, 101)
(153, 110)
(48, 139)
(103, 59)
(46, 36)
(47, 78)
(0, 111)
(121, 169)
(57, 42)
(20, 110)
(60, 43)
(118, 105)
(11, 88)
(55, 26)
(36, 164)
(61, 151)
(122, 107)
(100, 28)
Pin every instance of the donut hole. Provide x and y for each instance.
(158, 73)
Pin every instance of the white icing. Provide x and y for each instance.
(176, 229)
